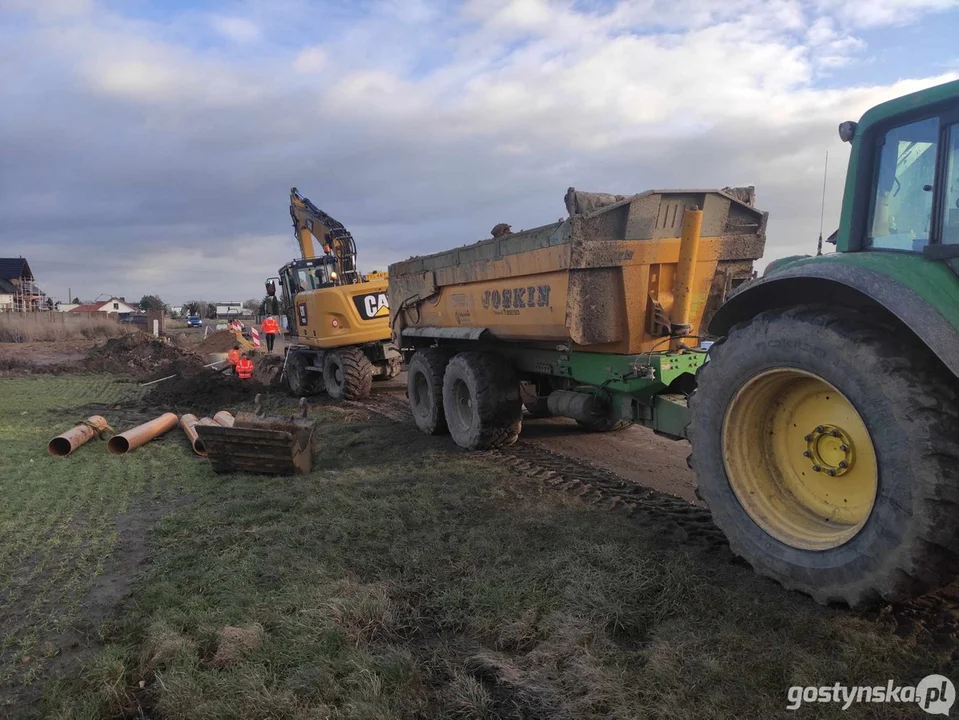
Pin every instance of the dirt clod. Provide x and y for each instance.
(235, 644)
(267, 369)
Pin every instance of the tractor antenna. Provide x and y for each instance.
(822, 207)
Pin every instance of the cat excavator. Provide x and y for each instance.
(338, 327)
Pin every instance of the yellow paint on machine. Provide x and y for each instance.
(528, 302)
(343, 315)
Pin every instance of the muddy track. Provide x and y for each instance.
(935, 617)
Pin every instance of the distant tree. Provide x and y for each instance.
(151, 302)
(76, 301)
(200, 308)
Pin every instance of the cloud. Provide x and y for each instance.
(166, 165)
(237, 29)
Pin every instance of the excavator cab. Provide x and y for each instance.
(299, 276)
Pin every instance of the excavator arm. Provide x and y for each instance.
(310, 222)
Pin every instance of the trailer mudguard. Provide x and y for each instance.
(919, 295)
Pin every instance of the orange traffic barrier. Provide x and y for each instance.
(141, 434)
(223, 418)
(63, 445)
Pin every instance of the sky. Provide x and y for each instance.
(149, 146)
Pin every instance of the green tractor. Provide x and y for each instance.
(825, 425)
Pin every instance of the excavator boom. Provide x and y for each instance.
(310, 222)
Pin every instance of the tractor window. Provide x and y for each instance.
(901, 211)
(950, 207)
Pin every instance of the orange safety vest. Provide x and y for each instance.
(271, 326)
(244, 369)
(233, 356)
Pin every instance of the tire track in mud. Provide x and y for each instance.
(935, 616)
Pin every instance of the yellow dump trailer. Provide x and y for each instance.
(602, 279)
(594, 317)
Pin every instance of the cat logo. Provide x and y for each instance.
(372, 306)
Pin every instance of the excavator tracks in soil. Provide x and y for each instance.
(934, 616)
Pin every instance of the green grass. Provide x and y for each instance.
(400, 579)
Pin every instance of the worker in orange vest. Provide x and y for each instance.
(271, 328)
(234, 357)
(244, 368)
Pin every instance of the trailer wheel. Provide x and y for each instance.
(481, 401)
(827, 449)
(300, 381)
(347, 374)
(424, 388)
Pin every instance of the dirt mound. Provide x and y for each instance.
(223, 341)
(140, 355)
(203, 394)
(267, 369)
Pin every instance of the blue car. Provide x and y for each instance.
(194, 321)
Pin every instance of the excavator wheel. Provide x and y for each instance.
(347, 374)
(299, 380)
(826, 446)
(481, 401)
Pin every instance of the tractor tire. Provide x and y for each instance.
(826, 446)
(481, 401)
(347, 374)
(424, 388)
(300, 381)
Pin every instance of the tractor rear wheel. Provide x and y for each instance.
(481, 401)
(347, 374)
(826, 449)
(299, 380)
(424, 388)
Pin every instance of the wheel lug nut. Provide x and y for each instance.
(806, 453)
(843, 464)
(820, 428)
(831, 473)
(808, 438)
(816, 468)
(844, 447)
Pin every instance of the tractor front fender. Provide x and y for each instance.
(846, 284)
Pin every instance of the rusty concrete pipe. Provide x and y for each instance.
(223, 418)
(63, 445)
(188, 423)
(141, 434)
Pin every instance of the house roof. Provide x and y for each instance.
(11, 268)
(92, 307)
(7, 287)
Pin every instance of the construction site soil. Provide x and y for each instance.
(222, 341)
(141, 356)
(202, 393)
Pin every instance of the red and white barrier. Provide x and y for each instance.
(255, 336)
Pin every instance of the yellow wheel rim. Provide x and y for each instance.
(800, 459)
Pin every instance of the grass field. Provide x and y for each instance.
(401, 579)
(56, 326)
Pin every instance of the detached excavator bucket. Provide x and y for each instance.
(258, 443)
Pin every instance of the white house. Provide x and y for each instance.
(114, 305)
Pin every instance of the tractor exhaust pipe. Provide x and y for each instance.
(585, 407)
(141, 434)
(63, 445)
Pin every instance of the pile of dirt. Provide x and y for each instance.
(223, 341)
(203, 393)
(267, 369)
(140, 355)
